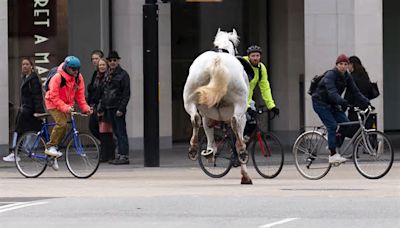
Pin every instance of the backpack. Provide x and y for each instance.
(50, 75)
(314, 83)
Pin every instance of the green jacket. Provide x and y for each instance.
(262, 83)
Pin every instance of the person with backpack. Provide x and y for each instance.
(257, 76)
(31, 102)
(330, 106)
(260, 78)
(64, 88)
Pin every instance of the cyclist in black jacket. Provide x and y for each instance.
(330, 106)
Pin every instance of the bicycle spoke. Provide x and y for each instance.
(82, 156)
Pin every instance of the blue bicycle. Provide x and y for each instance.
(82, 154)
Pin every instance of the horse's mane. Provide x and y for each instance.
(224, 39)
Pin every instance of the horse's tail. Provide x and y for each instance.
(213, 92)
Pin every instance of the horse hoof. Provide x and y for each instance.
(192, 154)
(246, 181)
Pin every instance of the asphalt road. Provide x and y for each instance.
(182, 196)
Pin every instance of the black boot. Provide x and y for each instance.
(103, 148)
(109, 145)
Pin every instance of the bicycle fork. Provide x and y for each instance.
(260, 141)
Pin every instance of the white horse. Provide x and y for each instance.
(218, 87)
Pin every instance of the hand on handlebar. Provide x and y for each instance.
(71, 109)
(275, 110)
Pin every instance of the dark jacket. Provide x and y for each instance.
(31, 94)
(117, 91)
(95, 89)
(332, 86)
(362, 81)
(31, 102)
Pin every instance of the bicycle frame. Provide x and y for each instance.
(361, 131)
(44, 132)
(256, 134)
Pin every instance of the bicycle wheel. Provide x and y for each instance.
(31, 161)
(311, 155)
(267, 155)
(82, 156)
(218, 165)
(373, 157)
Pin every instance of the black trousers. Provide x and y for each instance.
(94, 125)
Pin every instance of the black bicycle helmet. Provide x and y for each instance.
(254, 48)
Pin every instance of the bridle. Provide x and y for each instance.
(223, 50)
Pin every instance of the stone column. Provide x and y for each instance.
(353, 27)
(128, 41)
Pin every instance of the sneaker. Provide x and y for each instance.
(336, 158)
(10, 158)
(55, 165)
(121, 160)
(52, 151)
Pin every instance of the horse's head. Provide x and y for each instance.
(227, 41)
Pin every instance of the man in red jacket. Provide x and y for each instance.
(65, 87)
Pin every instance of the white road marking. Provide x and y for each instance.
(278, 223)
(19, 205)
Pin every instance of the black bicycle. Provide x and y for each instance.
(265, 148)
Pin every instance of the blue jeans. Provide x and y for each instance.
(119, 128)
(330, 116)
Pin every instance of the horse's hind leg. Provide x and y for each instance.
(209, 131)
(238, 123)
(196, 122)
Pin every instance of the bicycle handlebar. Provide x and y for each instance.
(78, 114)
(368, 109)
(41, 115)
(263, 109)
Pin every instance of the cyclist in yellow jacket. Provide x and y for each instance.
(260, 78)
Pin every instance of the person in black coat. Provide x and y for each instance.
(94, 94)
(113, 104)
(363, 82)
(31, 102)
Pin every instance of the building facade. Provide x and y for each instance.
(300, 38)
